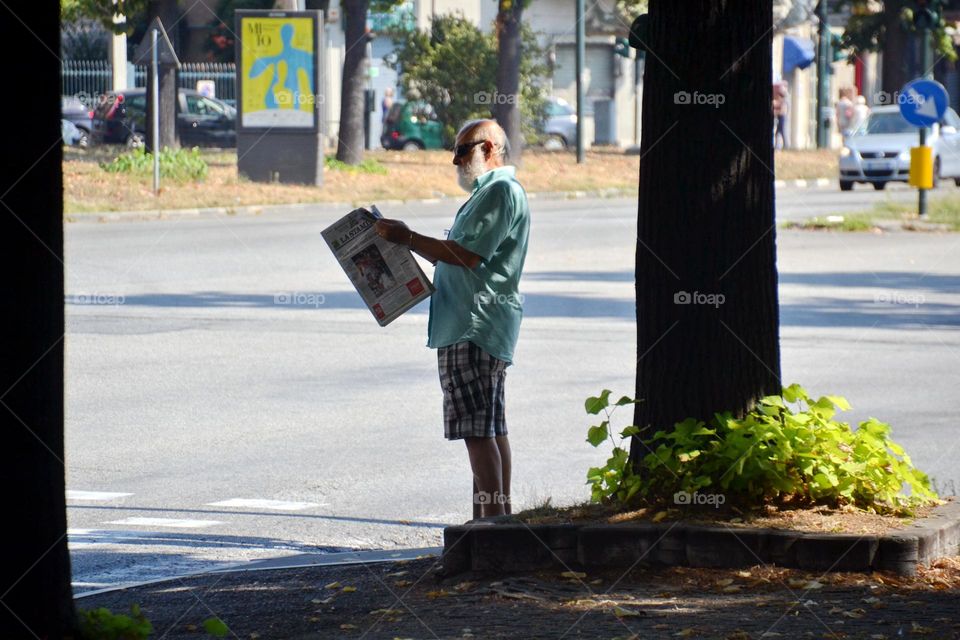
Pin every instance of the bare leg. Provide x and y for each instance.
(476, 505)
(485, 463)
(505, 469)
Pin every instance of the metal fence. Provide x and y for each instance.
(91, 78)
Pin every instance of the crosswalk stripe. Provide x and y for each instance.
(95, 495)
(166, 522)
(255, 503)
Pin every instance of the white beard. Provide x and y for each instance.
(467, 173)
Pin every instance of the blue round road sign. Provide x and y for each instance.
(923, 102)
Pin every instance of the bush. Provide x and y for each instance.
(774, 455)
(453, 66)
(179, 165)
(101, 624)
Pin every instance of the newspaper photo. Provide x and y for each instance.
(386, 275)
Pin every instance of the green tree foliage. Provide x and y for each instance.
(103, 11)
(453, 66)
(869, 23)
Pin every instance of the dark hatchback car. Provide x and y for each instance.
(74, 110)
(201, 121)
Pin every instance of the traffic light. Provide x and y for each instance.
(622, 47)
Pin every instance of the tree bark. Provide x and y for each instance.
(169, 15)
(705, 215)
(350, 144)
(896, 40)
(506, 108)
(35, 584)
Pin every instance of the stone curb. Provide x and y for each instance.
(818, 183)
(511, 546)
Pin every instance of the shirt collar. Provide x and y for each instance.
(506, 171)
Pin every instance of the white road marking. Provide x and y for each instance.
(166, 522)
(254, 503)
(95, 495)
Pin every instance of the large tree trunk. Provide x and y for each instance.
(350, 144)
(896, 41)
(35, 585)
(706, 215)
(507, 106)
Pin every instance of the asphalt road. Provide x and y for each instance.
(229, 398)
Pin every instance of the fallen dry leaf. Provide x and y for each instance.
(573, 574)
(333, 585)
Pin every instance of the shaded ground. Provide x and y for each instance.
(411, 600)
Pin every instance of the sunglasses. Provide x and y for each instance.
(463, 149)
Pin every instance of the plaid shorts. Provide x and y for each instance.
(472, 381)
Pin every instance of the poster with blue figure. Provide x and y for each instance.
(278, 72)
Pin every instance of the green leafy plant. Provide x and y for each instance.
(453, 66)
(774, 454)
(179, 165)
(615, 480)
(101, 624)
(216, 627)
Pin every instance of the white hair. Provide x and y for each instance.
(501, 146)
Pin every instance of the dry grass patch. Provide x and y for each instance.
(398, 176)
(790, 164)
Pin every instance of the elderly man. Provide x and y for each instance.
(475, 312)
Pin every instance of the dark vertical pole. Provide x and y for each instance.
(581, 36)
(823, 77)
(927, 72)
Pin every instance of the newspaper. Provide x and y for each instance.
(386, 275)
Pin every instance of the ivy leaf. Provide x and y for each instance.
(627, 400)
(632, 430)
(598, 434)
(216, 627)
(595, 405)
(840, 402)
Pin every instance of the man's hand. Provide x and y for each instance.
(393, 231)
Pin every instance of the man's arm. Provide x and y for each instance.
(431, 249)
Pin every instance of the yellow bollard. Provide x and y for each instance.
(921, 167)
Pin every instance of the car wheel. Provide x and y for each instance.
(83, 140)
(846, 185)
(135, 140)
(554, 142)
(412, 145)
(879, 186)
(956, 181)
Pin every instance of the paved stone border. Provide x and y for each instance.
(510, 546)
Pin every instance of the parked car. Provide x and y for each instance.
(411, 126)
(560, 126)
(201, 121)
(878, 152)
(74, 110)
(71, 134)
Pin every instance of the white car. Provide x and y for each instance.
(878, 152)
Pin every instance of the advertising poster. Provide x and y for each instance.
(277, 63)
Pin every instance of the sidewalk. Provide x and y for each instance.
(410, 599)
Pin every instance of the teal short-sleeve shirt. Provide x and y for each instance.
(483, 305)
